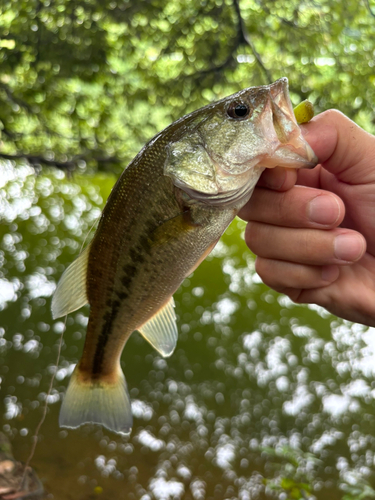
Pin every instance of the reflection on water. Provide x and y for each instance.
(262, 398)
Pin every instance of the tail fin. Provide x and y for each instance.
(97, 402)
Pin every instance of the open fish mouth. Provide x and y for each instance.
(220, 162)
(293, 151)
(284, 144)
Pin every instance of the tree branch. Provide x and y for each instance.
(39, 160)
(219, 67)
(291, 24)
(4, 130)
(245, 39)
(15, 100)
(372, 13)
(28, 108)
(242, 38)
(68, 166)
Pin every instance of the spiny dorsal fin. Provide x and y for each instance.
(71, 293)
(161, 330)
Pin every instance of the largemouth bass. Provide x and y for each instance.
(165, 214)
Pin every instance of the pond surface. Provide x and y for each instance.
(261, 399)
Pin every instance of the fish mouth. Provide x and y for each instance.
(291, 150)
(286, 148)
(221, 160)
(274, 122)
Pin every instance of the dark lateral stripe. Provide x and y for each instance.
(130, 271)
(103, 338)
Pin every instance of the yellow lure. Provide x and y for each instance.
(304, 112)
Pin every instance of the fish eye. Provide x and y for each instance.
(238, 110)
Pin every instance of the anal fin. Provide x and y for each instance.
(161, 330)
(71, 293)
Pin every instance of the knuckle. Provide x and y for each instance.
(306, 243)
(252, 236)
(260, 266)
(282, 207)
(295, 294)
(265, 269)
(333, 113)
(311, 247)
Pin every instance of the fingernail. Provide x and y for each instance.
(274, 179)
(348, 247)
(330, 273)
(323, 210)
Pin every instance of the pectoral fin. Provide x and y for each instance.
(161, 330)
(173, 229)
(71, 293)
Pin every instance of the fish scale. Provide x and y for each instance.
(163, 217)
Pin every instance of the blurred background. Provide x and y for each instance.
(262, 398)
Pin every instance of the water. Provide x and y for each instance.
(261, 399)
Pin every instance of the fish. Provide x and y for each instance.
(165, 214)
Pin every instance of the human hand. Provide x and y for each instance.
(315, 240)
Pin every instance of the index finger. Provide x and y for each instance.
(343, 148)
(298, 207)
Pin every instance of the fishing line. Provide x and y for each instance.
(88, 234)
(44, 414)
(45, 408)
(36, 434)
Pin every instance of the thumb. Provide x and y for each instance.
(343, 148)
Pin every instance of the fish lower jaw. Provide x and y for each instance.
(291, 156)
(295, 161)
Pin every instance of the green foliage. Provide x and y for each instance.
(88, 82)
(294, 472)
(361, 490)
(245, 357)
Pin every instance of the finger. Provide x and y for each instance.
(281, 275)
(297, 207)
(342, 147)
(278, 178)
(305, 246)
(309, 177)
(349, 297)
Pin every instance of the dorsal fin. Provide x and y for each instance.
(161, 329)
(71, 293)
